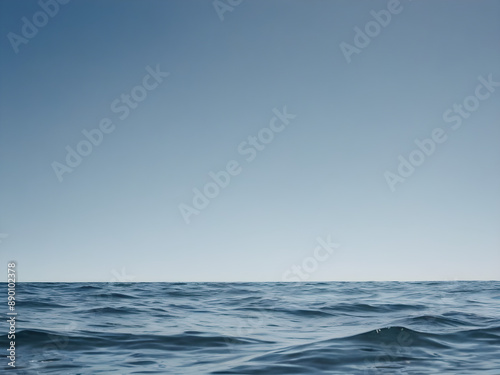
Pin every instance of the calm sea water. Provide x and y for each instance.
(257, 328)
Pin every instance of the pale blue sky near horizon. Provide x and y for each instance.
(322, 176)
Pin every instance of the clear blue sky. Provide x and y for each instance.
(323, 175)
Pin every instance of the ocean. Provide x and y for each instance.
(256, 328)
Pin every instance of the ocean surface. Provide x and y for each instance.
(256, 328)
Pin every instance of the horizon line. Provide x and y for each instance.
(261, 282)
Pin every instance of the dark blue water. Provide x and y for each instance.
(257, 328)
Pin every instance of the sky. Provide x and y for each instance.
(331, 185)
